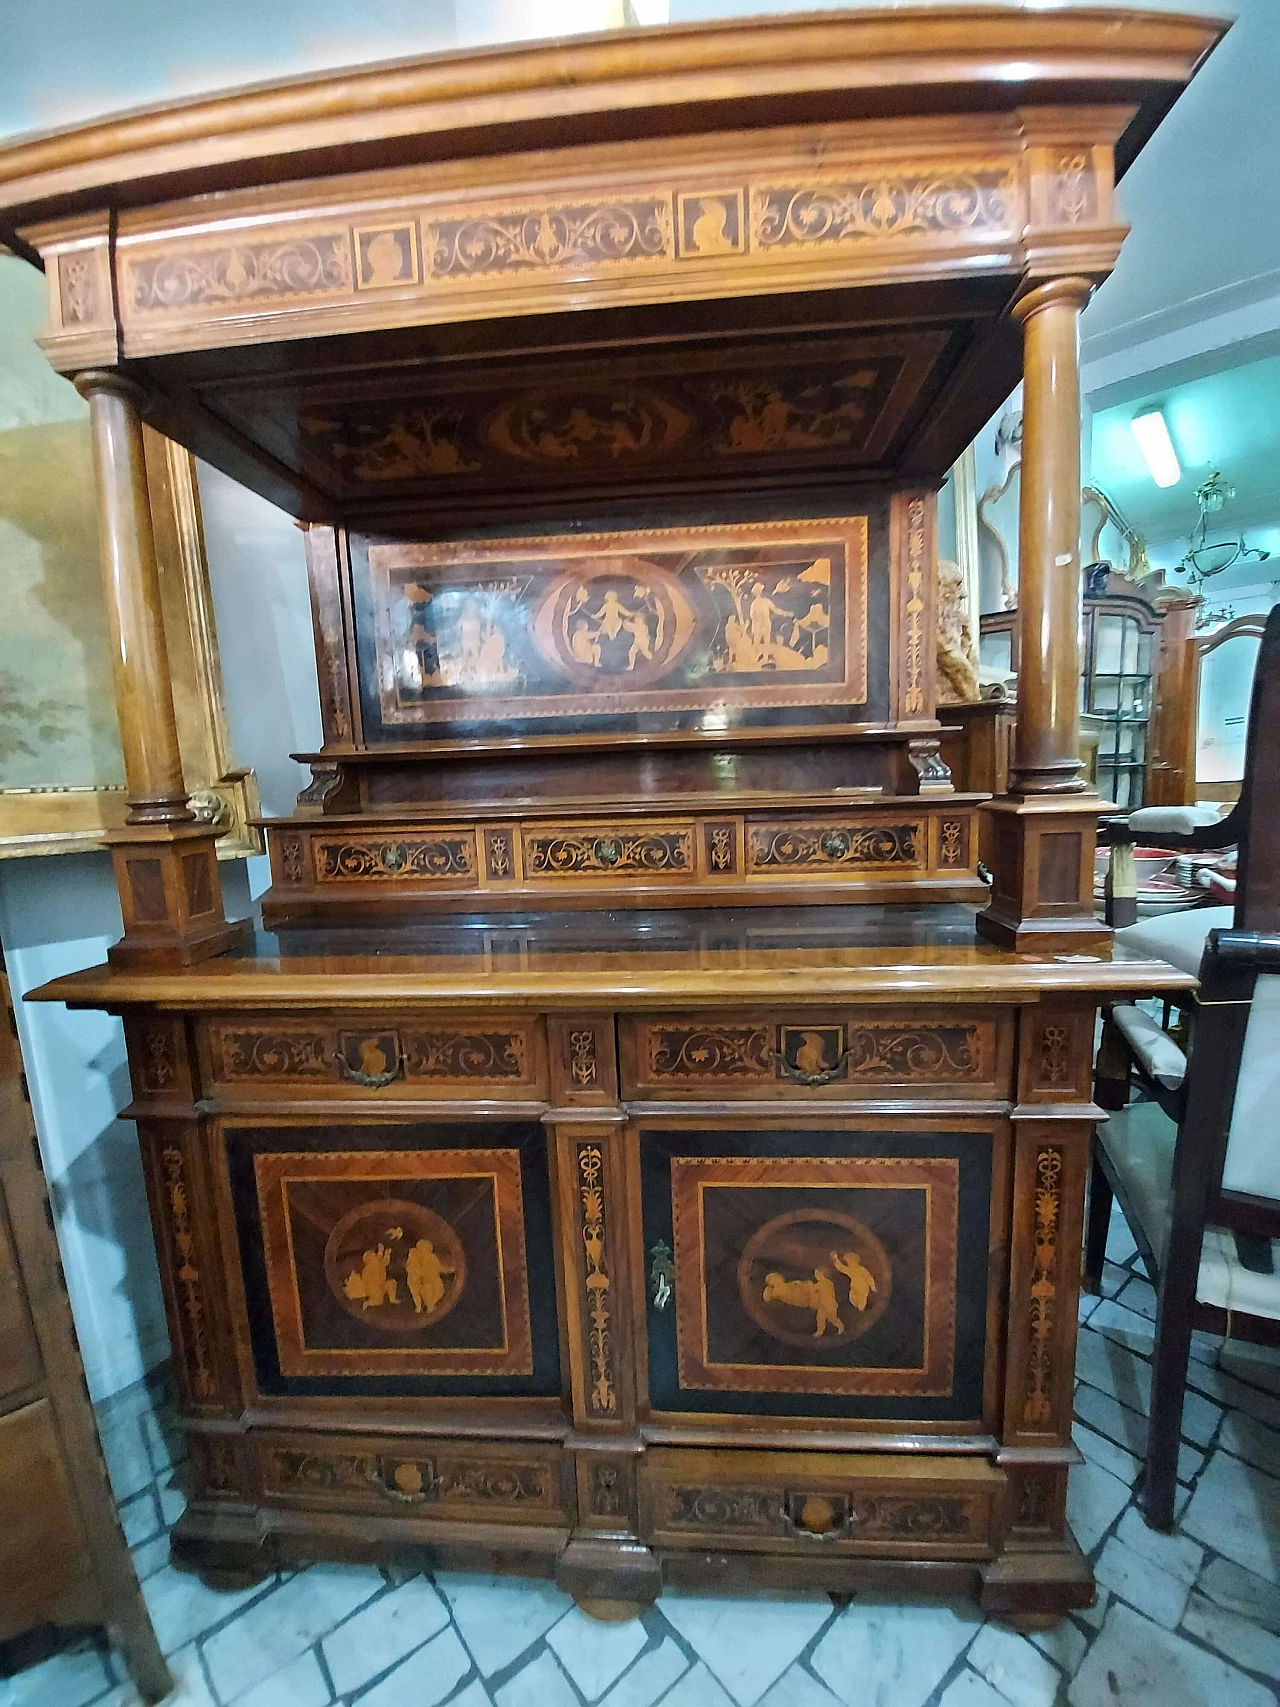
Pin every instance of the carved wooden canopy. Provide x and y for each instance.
(705, 258)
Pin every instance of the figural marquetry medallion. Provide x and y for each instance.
(395, 1261)
(773, 614)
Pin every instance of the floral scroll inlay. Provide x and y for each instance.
(910, 205)
(1055, 1055)
(795, 846)
(1073, 197)
(584, 1066)
(301, 266)
(601, 1396)
(1037, 1409)
(187, 1273)
(951, 847)
(436, 858)
(585, 854)
(582, 234)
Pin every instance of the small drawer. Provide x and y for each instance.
(451, 1480)
(603, 852)
(932, 1507)
(486, 1058)
(839, 1055)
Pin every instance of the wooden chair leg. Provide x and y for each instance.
(1097, 1226)
(1174, 1312)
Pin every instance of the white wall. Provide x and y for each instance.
(60, 913)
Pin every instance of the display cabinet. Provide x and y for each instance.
(639, 1148)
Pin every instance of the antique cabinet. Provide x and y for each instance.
(638, 1146)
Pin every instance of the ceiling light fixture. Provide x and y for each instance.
(1152, 433)
(1205, 557)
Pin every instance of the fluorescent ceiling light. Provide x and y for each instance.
(1156, 446)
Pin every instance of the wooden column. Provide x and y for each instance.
(1046, 757)
(165, 863)
(1044, 832)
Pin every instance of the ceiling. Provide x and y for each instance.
(1227, 421)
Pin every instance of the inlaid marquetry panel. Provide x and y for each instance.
(931, 1507)
(608, 851)
(395, 1261)
(783, 846)
(409, 860)
(762, 614)
(797, 403)
(521, 1483)
(426, 1057)
(797, 1054)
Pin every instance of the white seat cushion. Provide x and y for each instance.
(1253, 1143)
(1155, 1050)
(1173, 820)
(1139, 1141)
(1175, 937)
(1222, 1280)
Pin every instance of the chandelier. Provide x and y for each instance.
(1204, 556)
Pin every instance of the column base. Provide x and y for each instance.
(1042, 869)
(170, 897)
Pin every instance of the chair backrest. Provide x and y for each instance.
(1255, 820)
(1234, 1074)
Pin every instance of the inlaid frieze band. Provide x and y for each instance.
(814, 1052)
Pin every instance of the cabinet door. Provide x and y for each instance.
(823, 1270)
(396, 1259)
(42, 1546)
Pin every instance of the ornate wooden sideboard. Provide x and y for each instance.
(639, 1148)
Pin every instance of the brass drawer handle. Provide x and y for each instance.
(824, 1077)
(818, 1517)
(369, 1081)
(405, 1483)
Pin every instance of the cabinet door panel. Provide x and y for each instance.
(402, 1259)
(42, 1546)
(832, 1271)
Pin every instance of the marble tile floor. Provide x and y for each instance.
(1190, 1620)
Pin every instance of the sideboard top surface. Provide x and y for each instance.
(589, 960)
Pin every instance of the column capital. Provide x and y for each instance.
(1071, 292)
(98, 382)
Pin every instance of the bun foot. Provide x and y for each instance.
(611, 1611)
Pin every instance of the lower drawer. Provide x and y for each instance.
(876, 1503)
(456, 1480)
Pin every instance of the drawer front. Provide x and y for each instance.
(834, 1054)
(451, 1480)
(358, 1055)
(591, 853)
(932, 1507)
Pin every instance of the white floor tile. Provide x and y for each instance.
(182, 1608)
(650, 1677)
(500, 1617)
(1114, 1369)
(539, 1684)
(265, 1638)
(1134, 1578)
(1226, 1389)
(1113, 1321)
(68, 1678)
(383, 1633)
(1095, 1499)
(1235, 1509)
(1177, 1554)
(594, 1654)
(1243, 1592)
(300, 1684)
(426, 1677)
(891, 1656)
(1012, 1666)
(970, 1690)
(140, 1517)
(128, 1461)
(697, 1688)
(1247, 1644)
(798, 1688)
(747, 1640)
(1134, 1663)
(1247, 1438)
(1065, 1643)
(189, 1687)
(1099, 1450)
